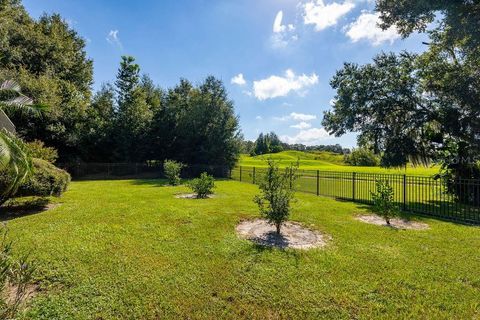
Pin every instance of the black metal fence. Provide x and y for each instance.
(101, 171)
(420, 194)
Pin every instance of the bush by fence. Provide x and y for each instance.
(420, 194)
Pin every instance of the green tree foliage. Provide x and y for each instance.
(172, 170)
(383, 201)
(267, 143)
(46, 180)
(419, 107)
(202, 186)
(460, 20)
(134, 120)
(97, 142)
(197, 125)
(134, 115)
(49, 61)
(277, 188)
(362, 157)
(37, 149)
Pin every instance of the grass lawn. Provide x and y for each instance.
(327, 161)
(130, 250)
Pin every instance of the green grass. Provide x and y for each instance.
(327, 161)
(130, 250)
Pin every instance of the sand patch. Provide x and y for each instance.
(293, 235)
(192, 196)
(396, 223)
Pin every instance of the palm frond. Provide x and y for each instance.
(15, 162)
(10, 85)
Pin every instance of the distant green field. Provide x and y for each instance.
(327, 161)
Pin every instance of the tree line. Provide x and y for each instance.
(271, 143)
(130, 120)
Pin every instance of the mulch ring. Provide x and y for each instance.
(191, 196)
(293, 235)
(395, 223)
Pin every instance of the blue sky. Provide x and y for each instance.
(276, 57)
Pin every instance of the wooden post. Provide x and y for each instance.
(318, 182)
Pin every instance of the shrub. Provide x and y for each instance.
(16, 273)
(37, 149)
(362, 157)
(383, 201)
(47, 180)
(202, 186)
(172, 171)
(277, 192)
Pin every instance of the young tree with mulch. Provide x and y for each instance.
(384, 202)
(277, 192)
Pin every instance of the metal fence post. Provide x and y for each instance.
(318, 182)
(404, 192)
(240, 173)
(353, 185)
(253, 179)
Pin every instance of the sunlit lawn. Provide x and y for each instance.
(329, 162)
(130, 250)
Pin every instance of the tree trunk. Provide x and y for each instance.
(388, 221)
(278, 226)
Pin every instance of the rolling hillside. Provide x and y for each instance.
(327, 161)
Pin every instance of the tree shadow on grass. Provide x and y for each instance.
(17, 208)
(435, 210)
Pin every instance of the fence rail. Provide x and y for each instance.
(419, 194)
(98, 171)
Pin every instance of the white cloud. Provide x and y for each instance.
(332, 102)
(302, 116)
(278, 27)
(302, 125)
(366, 27)
(238, 79)
(324, 16)
(113, 38)
(277, 86)
(281, 33)
(308, 137)
(258, 118)
(297, 117)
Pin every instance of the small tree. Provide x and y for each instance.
(202, 186)
(172, 171)
(277, 193)
(383, 201)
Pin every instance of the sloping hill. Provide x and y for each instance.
(326, 161)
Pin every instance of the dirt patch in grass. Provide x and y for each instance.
(394, 223)
(293, 235)
(192, 196)
(10, 293)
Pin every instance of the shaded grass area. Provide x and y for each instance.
(129, 249)
(327, 161)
